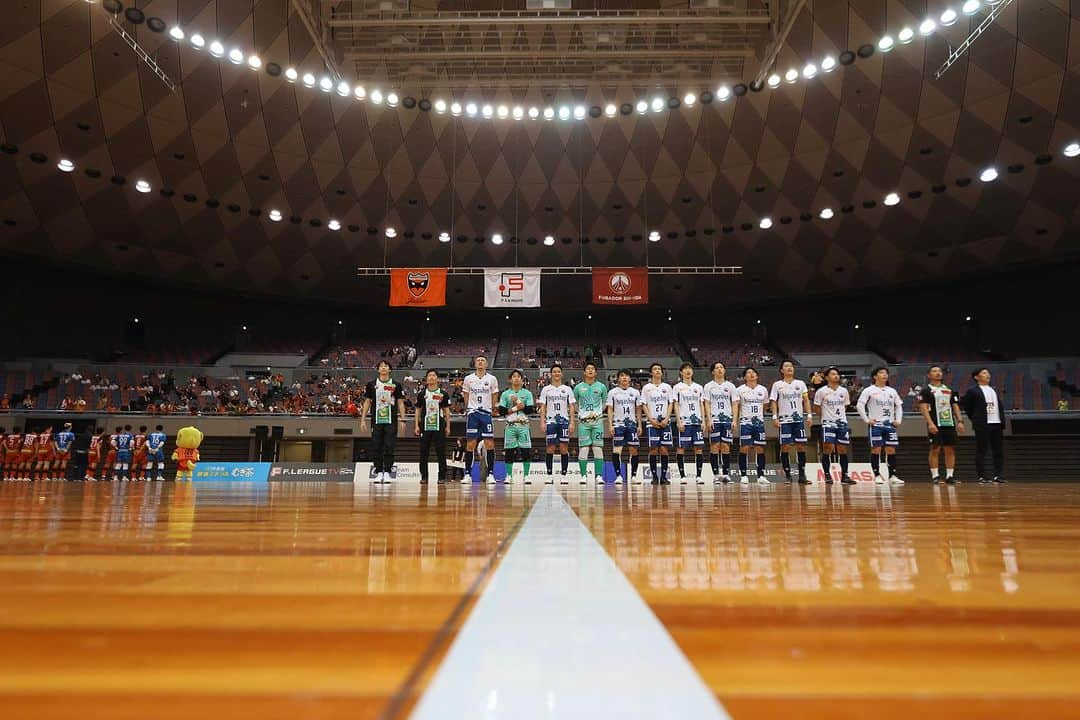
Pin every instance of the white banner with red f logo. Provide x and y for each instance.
(512, 287)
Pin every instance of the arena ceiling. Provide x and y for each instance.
(229, 143)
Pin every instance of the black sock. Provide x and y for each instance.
(663, 467)
(699, 462)
(742, 463)
(761, 464)
(844, 464)
(891, 459)
(725, 463)
(654, 466)
(634, 461)
(801, 457)
(468, 463)
(826, 463)
(565, 460)
(615, 462)
(490, 455)
(681, 462)
(875, 464)
(549, 460)
(714, 463)
(785, 460)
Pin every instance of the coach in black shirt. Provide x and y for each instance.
(432, 424)
(982, 404)
(384, 405)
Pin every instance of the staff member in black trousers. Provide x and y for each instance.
(384, 405)
(432, 424)
(983, 407)
(80, 451)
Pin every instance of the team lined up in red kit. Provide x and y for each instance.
(45, 455)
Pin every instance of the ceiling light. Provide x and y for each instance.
(326, 84)
(579, 112)
(376, 96)
(564, 113)
(549, 113)
(723, 92)
(142, 186)
(927, 26)
(391, 232)
(828, 63)
(343, 89)
(496, 239)
(610, 110)
(688, 99)
(990, 174)
(826, 214)
(440, 106)
(1072, 150)
(290, 74)
(906, 35)
(502, 111)
(948, 17)
(455, 109)
(642, 107)
(197, 40)
(444, 237)
(176, 32)
(892, 199)
(236, 56)
(309, 79)
(970, 7)
(275, 216)
(65, 165)
(549, 240)
(654, 236)
(774, 80)
(487, 111)
(334, 225)
(765, 223)
(886, 43)
(392, 99)
(359, 92)
(217, 49)
(809, 71)
(518, 112)
(254, 62)
(471, 109)
(791, 75)
(657, 104)
(534, 112)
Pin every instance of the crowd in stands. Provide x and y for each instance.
(398, 353)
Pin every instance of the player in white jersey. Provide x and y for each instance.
(832, 402)
(721, 409)
(882, 409)
(752, 401)
(791, 411)
(554, 407)
(624, 420)
(689, 400)
(656, 399)
(481, 396)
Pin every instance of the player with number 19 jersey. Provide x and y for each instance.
(721, 398)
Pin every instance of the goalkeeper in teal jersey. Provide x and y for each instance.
(515, 404)
(591, 397)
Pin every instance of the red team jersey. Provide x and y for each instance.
(29, 442)
(45, 444)
(138, 444)
(95, 445)
(12, 443)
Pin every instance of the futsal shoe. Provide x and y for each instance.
(744, 480)
(803, 480)
(951, 481)
(490, 479)
(700, 479)
(787, 476)
(828, 480)
(985, 481)
(1000, 480)
(762, 480)
(564, 479)
(896, 480)
(879, 479)
(848, 480)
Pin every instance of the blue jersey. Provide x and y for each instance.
(63, 440)
(155, 441)
(123, 442)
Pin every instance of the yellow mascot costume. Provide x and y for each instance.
(188, 440)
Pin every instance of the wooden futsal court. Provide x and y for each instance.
(310, 600)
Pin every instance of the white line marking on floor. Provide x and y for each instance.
(559, 632)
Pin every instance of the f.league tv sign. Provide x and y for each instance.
(512, 287)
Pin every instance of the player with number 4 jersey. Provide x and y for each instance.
(832, 402)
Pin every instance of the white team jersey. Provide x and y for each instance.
(881, 404)
(480, 390)
(833, 404)
(623, 404)
(789, 400)
(557, 400)
(657, 400)
(721, 397)
(752, 403)
(690, 398)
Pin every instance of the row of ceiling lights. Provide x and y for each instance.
(987, 175)
(657, 104)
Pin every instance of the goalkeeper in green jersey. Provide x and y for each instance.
(591, 397)
(515, 404)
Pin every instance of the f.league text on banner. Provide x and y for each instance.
(512, 287)
(620, 286)
(418, 287)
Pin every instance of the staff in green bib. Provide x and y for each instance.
(940, 409)
(432, 424)
(591, 397)
(384, 404)
(516, 404)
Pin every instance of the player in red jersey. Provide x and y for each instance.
(138, 454)
(12, 444)
(93, 456)
(43, 455)
(3, 434)
(26, 455)
(109, 465)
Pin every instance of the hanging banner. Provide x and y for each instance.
(417, 287)
(620, 286)
(512, 287)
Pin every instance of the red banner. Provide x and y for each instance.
(620, 286)
(417, 287)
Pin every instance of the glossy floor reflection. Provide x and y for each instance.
(288, 600)
(946, 602)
